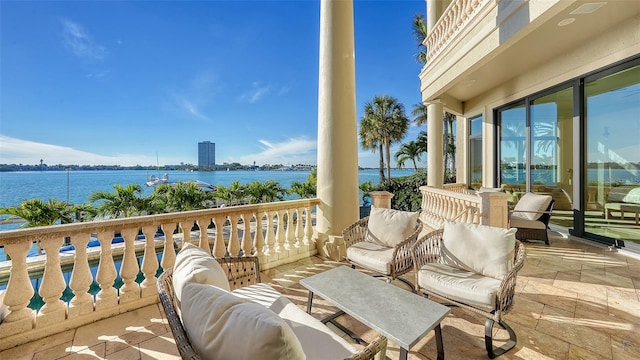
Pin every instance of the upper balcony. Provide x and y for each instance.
(477, 45)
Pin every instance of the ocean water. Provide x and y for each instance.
(75, 186)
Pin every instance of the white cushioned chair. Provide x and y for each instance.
(252, 321)
(380, 242)
(531, 217)
(474, 267)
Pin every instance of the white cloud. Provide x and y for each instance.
(18, 151)
(195, 97)
(80, 42)
(293, 151)
(256, 93)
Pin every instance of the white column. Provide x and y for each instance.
(435, 9)
(435, 156)
(337, 134)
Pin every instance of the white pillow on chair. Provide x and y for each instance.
(195, 265)
(485, 250)
(531, 203)
(390, 227)
(221, 325)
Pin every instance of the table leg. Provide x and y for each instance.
(439, 345)
(309, 302)
(403, 354)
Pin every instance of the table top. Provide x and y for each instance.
(400, 315)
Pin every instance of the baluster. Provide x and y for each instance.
(234, 241)
(107, 297)
(186, 233)
(270, 236)
(130, 290)
(168, 252)
(308, 225)
(259, 235)
(54, 310)
(299, 231)
(19, 291)
(246, 244)
(290, 240)
(81, 278)
(280, 230)
(219, 249)
(149, 262)
(203, 224)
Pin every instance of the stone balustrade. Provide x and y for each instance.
(452, 22)
(440, 205)
(278, 233)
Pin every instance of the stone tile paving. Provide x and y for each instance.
(574, 301)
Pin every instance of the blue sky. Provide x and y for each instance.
(105, 82)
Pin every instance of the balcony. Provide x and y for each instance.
(574, 300)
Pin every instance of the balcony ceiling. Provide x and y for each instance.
(546, 41)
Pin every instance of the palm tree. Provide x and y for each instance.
(182, 196)
(420, 33)
(388, 124)
(409, 151)
(369, 139)
(449, 143)
(125, 201)
(307, 189)
(419, 113)
(266, 192)
(39, 213)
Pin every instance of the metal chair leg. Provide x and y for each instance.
(488, 339)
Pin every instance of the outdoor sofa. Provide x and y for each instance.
(219, 309)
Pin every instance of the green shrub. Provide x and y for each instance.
(406, 191)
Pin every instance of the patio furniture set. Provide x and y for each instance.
(218, 308)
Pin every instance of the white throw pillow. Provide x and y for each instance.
(195, 265)
(223, 326)
(389, 227)
(531, 203)
(485, 250)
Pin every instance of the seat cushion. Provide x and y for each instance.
(460, 285)
(531, 206)
(318, 341)
(390, 227)
(221, 325)
(519, 223)
(486, 250)
(371, 256)
(195, 265)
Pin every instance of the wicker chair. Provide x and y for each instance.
(241, 272)
(428, 250)
(530, 229)
(400, 263)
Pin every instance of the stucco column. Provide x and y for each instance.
(435, 156)
(435, 9)
(337, 134)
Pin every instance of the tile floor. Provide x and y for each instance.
(574, 301)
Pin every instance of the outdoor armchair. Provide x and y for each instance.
(531, 217)
(380, 242)
(473, 267)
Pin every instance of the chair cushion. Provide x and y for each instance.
(515, 222)
(221, 325)
(531, 203)
(371, 256)
(195, 265)
(486, 250)
(460, 285)
(318, 341)
(390, 227)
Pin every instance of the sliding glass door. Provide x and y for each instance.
(612, 161)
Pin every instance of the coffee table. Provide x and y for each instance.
(400, 315)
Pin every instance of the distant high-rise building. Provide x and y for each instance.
(206, 154)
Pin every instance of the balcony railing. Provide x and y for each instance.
(278, 233)
(452, 22)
